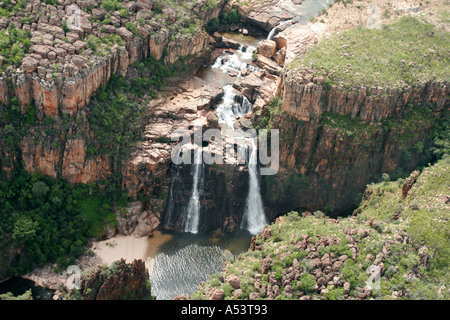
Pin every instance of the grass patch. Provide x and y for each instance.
(404, 53)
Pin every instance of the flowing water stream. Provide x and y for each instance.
(189, 257)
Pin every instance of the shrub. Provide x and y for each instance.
(306, 282)
(111, 5)
(124, 13)
(212, 25)
(93, 42)
(234, 16)
(131, 27)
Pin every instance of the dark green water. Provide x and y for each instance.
(18, 286)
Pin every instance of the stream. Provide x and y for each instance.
(189, 257)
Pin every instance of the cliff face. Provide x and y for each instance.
(64, 69)
(120, 281)
(327, 163)
(396, 238)
(334, 140)
(307, 97)
(222, 202)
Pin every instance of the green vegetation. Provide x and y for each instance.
(49, 220)
(418, 53)
(14, 44)
(409, 236)
(103, 45)
(270, 113)
(232, 17)
(45, 219)
(117, 108)
(9, 296)
(111, 5)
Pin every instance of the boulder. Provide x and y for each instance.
(41, 50)
(268, 64)
(280, 42)
(29, 64)
(254, 295)
(79, 45)
(144, 5)
(267, 48)
(218, 294)
(279, 56)
(217, 37)
(126, 34)
(407, 185)
(234, 281)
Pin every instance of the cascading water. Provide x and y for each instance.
(236, 62)
(174, 192)
(246, 53)
(232, 106)
(230, 62)
(181, 263)
(193, 212)
(274, 29)
(254, 217)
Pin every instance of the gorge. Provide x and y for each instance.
(100, 114)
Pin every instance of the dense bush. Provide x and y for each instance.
(111, 5)
(232, 17)
(14, 44)
(49, 220)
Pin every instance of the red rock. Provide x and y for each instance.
(29, 64)
(41, 50)
(267, 48)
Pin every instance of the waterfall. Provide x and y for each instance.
(274, 29)
(229, 62)
(254, 217)
(173, 193)
(232, 106)
(193, 212)
(176, 192)
(246, 53)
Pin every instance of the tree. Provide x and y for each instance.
(233, 17)
(24, 229)
(212, 26)
(40, 190)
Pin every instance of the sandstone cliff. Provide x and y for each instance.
(65, 68)
(120, 281)
(307, 97)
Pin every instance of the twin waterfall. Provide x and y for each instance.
(232, 106)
